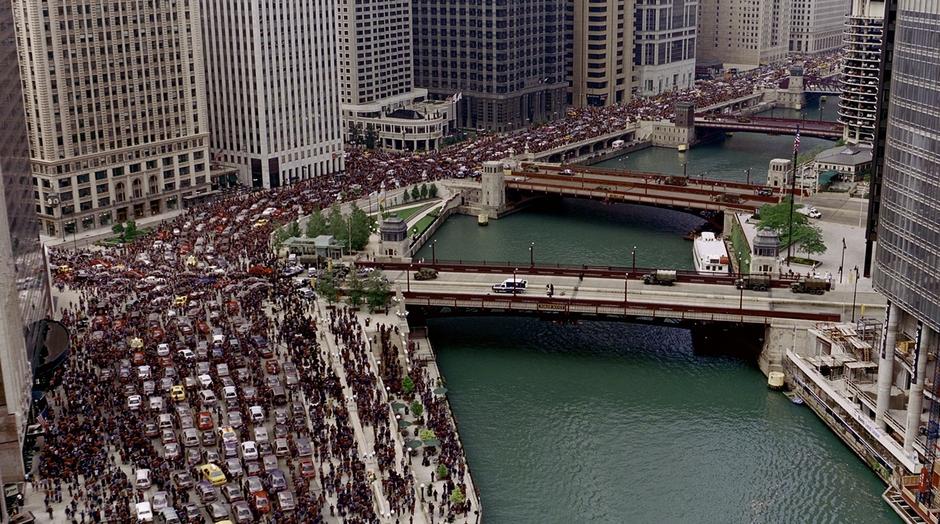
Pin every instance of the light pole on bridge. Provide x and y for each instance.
(854, 293)
(634, 260)
(531, 254)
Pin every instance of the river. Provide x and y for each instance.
(616, 422)
(730, 158)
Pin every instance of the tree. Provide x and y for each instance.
(424, 190)
(457, 497)
(338, 226)
(130, 230)
(407, 385)
(415, 193)
(432, 190)
(118, 229)
(293, 229)
(377, 291)
(806, 237)
(442, 471)
(407, 196)
(316, 224)
(326, 287)
(356, 289)
(355, 133)
(360, 225)
(371, 136)
(426, 434)
(417, 409)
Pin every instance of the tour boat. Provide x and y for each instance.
(709, 254)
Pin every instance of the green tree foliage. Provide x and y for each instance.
(378, 292)
(415, 193)
(338, 226)
(806, 237)
(293, 229)
(316, 224)
(130, 229)
(424, 190)
(118, 229)
(417, 409)
(357, 290)
(426, 434)
(442, 471)
(371, 136)
(407, 385)
(432, 191)
(407, 196)
(326, 287)
(457, 497)
(360, 225)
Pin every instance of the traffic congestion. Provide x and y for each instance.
(204, 386)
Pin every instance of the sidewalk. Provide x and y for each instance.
(94, 235)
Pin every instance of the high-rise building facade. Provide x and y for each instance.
(24, 296)
(816, 26)
(664, 45)
(743, 34)
(273, 88)
(381, 106)
(507, 59)
(908, 255)
(907, 258)
(858, 105)
(115, 108)
(600, 47)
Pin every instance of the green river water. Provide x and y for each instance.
(612, 422)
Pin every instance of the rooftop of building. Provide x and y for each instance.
(849, 155)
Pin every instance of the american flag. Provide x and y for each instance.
(796, 142)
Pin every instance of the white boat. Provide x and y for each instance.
(709, 254)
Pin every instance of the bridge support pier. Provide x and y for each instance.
(493, 181)
(777, 340)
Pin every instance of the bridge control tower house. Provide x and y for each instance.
(493, 182)
(394, 238)
(794, 96)
(764, 252)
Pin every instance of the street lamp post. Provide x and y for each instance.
(626, 278)
(408, 277)
(854, 293)
(531, 254)
(740, 272)
(434, 251)
(514, 280)
(842, 263)
(748, 172)
(634, 260)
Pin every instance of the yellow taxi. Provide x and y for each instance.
(213, 474)
(178, 393)
(261, 222)
(180, 300)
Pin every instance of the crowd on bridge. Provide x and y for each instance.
(211, 272)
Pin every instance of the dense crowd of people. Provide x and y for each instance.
(211, 271)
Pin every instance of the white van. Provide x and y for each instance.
(144, 513)
(142, 481)
(510, 285)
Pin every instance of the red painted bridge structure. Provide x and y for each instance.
(781, 126)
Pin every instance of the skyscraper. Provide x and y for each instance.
(664, 45)
(816, 26)
(858, 105)
(273, 88)
(381, 106)
(907, 268)
(24, 297)
(115, 108)
(743, 34)
(600, 35)
(507, 58)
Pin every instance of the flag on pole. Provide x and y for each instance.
(796, 142)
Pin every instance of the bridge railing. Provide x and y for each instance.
(598, 307)
(781, 280)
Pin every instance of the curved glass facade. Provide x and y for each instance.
(908, 256)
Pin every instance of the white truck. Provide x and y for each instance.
(811, 212)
